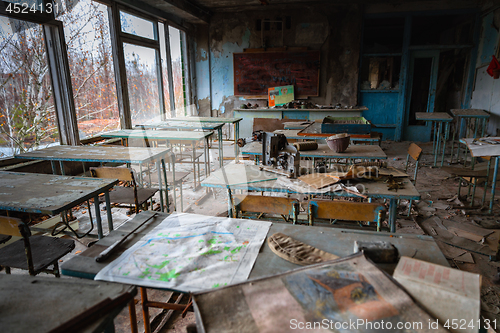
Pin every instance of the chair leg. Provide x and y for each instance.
(145, 310)
(409, 207)
(56, 269)
(7, 270)
(133, 316)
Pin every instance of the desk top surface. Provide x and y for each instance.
(42, 304)
(433, 116)
(366, 152)
(470, 113)
(354, 109)
(208, 119)
(47, 194)
(157, 135)
(483, 149)
(206, 126)
(116, 154)
(254, 179)
(295, 134)
(85, 266)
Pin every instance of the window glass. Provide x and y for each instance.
(136, 26)
(27, 115)
(177, 69)
(142, 81)
(381, 73)
(86, 29)
(164, 68)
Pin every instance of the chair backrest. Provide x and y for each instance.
(266, 205)
(345, 210)
(15, 227)
(123, 174)
(414, 151)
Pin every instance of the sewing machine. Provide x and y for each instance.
(278, 156)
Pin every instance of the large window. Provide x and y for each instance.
(34, 114)
(165, 69)
(380, 73)
(86, 29)
(27, 114)
(142, 82)
(178, 73)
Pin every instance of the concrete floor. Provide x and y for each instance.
(432, 215)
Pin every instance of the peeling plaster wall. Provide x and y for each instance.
(334, 30)
(486, 94)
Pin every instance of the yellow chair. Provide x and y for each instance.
(415, 152)
(345, 211)
(286, 207)
(130, 196)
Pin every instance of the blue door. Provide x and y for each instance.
(421, 94)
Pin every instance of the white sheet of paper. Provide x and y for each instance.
(189, 253)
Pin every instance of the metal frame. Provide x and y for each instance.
(57, 58)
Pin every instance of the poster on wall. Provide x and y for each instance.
(280, 95)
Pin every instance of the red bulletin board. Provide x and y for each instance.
(255, 72)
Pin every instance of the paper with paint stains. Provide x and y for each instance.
(190, 252)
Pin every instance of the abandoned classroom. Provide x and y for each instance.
(249, 166)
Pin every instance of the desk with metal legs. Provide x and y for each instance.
(471, 123)
(181, 136)
(251, 178)
(173, 125)
(202, 120)
(109, 154)
(333, 240)
(440, 121)
(53, 194)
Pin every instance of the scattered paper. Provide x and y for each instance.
(319, 180)
(466, 257)
(440, 205)
(446, 293)
(438, 221)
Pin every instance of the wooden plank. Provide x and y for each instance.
(264, 204)
(123, 174)
(319, 180)
(346, 210)
(414, 151)
(12, 227)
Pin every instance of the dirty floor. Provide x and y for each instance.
(466, 237)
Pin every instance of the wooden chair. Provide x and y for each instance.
(415, 152)
(481, 171)
(130, 196)
(288, 208)
(345, 211)
(32, 253)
